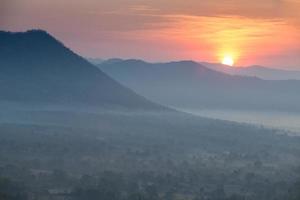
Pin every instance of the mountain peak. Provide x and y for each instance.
(35, 48)
(37, 68)
(35, 40)
(32, 31)
(37, 32)
(34, 34)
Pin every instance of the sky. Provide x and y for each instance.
(251, 32)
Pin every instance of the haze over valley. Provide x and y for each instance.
(192, 87)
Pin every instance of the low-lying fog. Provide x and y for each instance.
(280, 120)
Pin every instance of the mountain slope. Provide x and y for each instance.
(190, 85)
(36, 68)
(257, 71)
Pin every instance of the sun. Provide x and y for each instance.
(228, 60)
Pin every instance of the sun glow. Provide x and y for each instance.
(228, 60)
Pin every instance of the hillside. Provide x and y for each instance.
(36, 68)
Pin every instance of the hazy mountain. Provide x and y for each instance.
(36, 68)
(257, 71)
(187, 84)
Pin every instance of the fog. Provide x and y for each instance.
(272, 119)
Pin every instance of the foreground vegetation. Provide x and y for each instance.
(145, 157)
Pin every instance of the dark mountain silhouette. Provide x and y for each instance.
(36, 68)
(187, 84)
(255, 70)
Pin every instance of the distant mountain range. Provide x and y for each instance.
(262, 72)
(190, 85)
(36, 68)
(257, 71)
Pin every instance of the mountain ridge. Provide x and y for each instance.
(262, 72)
(37, 68)
(190, 85)
(258, 71)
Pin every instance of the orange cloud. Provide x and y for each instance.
(253, 32)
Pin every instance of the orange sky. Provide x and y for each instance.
(265, 32)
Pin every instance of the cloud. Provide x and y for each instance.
(164, 29)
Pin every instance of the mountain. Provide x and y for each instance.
(190, 85)
(38, 69)
(255, 70)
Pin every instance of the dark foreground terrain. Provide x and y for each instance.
(118, 156)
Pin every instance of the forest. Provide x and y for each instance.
(115, 160)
